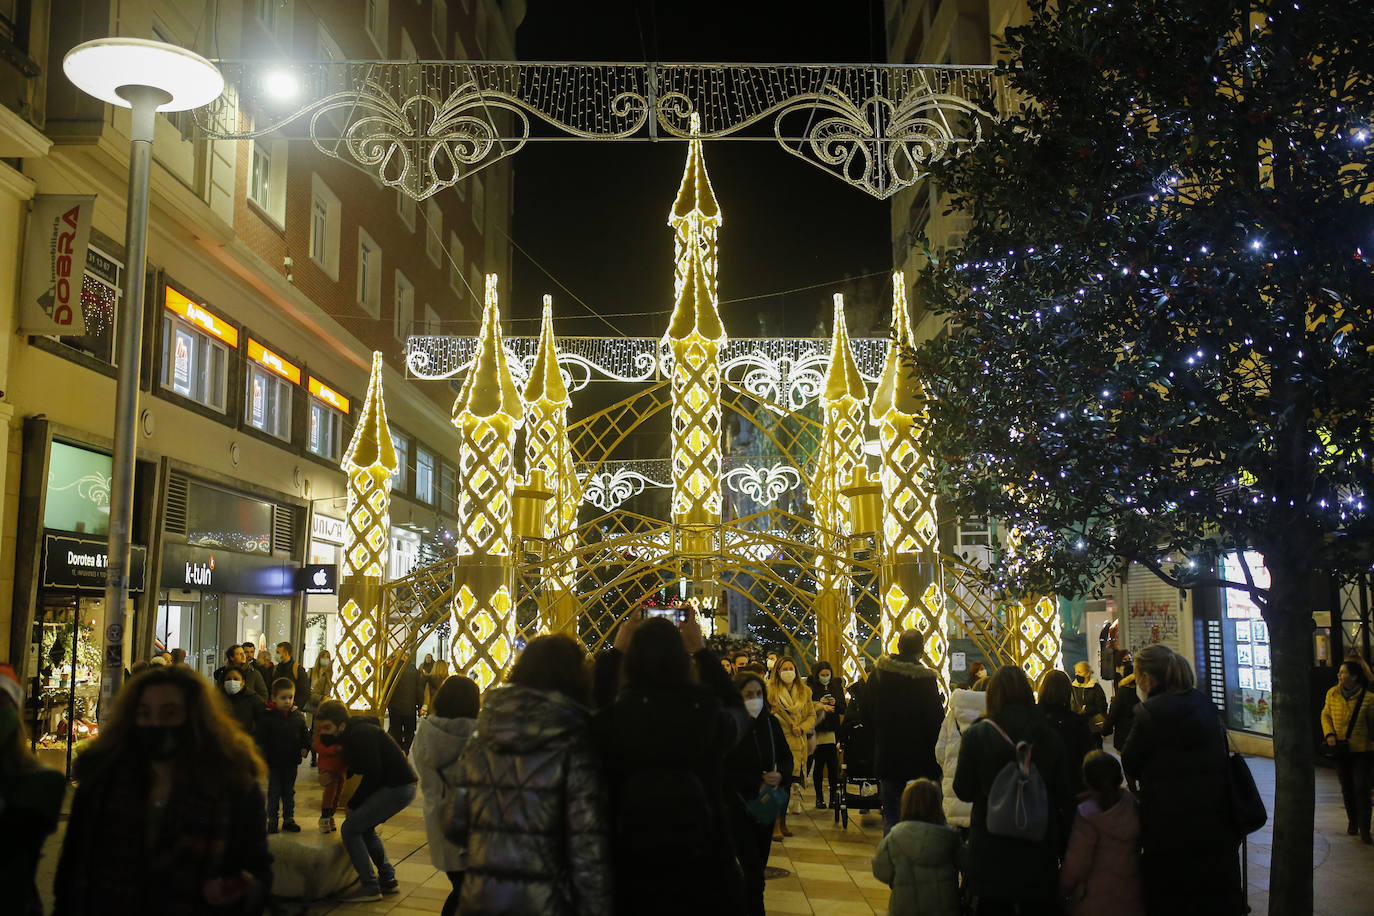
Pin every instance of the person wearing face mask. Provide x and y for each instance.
(827, 691)
(790, 702)
(1177, 756)
(1089, 701)
(244, 706)
(30, 801)
(237, 659)
(167, 797)
(762, 758)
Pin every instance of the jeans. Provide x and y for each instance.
(827, 759)
(359, 833)
(890, 794)
(281, 787)
(1354, 770)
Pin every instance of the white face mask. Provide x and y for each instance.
(788, 676)
(754, 705)
(824, 679)
(771, 663)
(233, 687)
(1140, 692)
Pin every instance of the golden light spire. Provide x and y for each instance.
(842, 378)
(371, 445)
(695, 309)
(546, 381)
(897, 391)
(695, 218)
(489, 389)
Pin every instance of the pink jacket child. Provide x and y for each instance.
(1101, 871)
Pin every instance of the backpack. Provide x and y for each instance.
(1018, 804)
(663, 811)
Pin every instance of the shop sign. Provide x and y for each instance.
(54, 264)
(201, 317)
(188, 566)
(318, 579)
(71, 562)
(328, 395)
(273, 362)
(327, 528)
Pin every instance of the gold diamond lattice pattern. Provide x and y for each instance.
(482, 635)
(696, 431)
(486, 472)
(369, 521)
(358, 647)
(1040, 632)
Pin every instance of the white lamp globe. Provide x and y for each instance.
(102, 67)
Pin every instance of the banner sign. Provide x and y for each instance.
(54, 264)
(72, 562)
(318, 579)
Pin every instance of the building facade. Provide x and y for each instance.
(274, 271)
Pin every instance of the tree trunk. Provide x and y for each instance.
(1290, 643)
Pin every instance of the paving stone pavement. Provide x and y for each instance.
(829, 873)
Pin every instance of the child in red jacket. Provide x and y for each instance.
(333, 771)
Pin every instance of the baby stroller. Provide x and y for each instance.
(856, 773)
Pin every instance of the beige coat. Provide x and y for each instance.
(794, 708)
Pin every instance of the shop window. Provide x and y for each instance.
(405, 552)
(1249, 679)
(448, 490)
(268, 403)
(100, 293)
(399, 480)
(195, 365)
(424, 475)
(78, 496)
(231, 521)
(326, 430)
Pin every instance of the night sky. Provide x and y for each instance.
(594, 214)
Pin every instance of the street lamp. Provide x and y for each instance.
(147, 77)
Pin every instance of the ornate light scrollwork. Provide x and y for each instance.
(607, 490)
(421, 126)
(762, 484)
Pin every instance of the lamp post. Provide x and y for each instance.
(146, 77)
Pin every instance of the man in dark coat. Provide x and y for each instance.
(903, 707)
(405, 702)
(287, 667)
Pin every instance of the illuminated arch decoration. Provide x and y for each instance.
(369, 463)
(487, 412)
(423, 126)
(913, 593)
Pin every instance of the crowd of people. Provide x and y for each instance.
(658, 771)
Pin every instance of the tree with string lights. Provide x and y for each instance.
(1161, 320)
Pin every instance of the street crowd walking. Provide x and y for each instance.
(656, 777)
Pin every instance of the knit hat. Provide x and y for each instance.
(9, 686)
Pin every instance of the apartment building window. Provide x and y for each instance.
(275, 16)
(267, 177)
(268, 403)
(405, 208)
(457, 261)
(325, 221)
(479, 202)
(434, 232)
(369, 275)
(477, 282)
(403, 314)
(432, 323)
(100, 292)
(402, 446)
(973, 531)
(425, 462)
(438, 25)
(195, 351)
(448, 489)
(374, 22)
(328, 411)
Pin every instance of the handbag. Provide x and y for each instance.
(1248, 813)
(771, 801)
(1342, 746)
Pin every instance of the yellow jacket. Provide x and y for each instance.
(1336, 718)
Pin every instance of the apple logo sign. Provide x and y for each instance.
(321, 579)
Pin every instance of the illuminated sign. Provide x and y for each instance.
(318, 579)
(273, 362)
(331, 397)
(201, 318)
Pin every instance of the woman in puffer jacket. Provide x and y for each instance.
(439, 741)
(1101, 871)
(528, 802)
(965, 708)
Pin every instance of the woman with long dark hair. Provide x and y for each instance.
(30, 801)
(1056, 704)
(439, 741)
(167, 811)
(761, 759)
(664, 740)
(528, 805)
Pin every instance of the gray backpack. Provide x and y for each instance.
(1018, 805)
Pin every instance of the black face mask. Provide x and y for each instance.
(160, 742)
(329, 740)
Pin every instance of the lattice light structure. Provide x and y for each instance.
(841, 452)
(548, 450)
(369, 463)
(1035, 626)
(912, 589)
(695, 335)
(487, 412)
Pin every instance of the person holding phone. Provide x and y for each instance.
(827, 691)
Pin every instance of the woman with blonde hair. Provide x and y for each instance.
(790, 701)
(176, 780)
